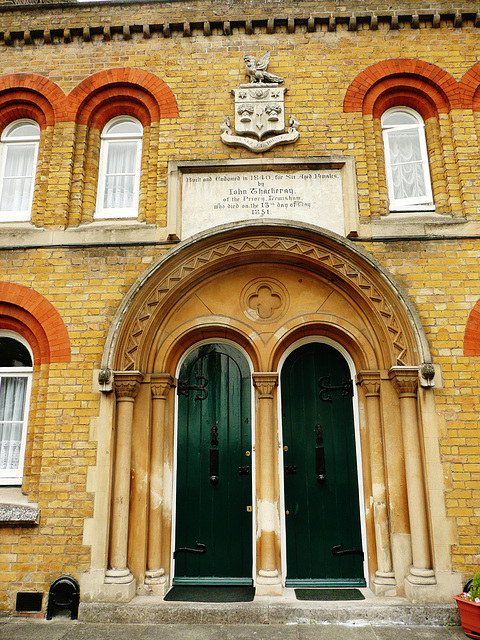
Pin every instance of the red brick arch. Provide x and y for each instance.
(122, 91)
(403, 81)
(470, 88)
(471, 339)
(31, 315)
(27, 95)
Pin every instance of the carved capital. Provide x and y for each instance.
(370, 382)
(265, 382)
(404, 380)
(161, 383)
(127, 384)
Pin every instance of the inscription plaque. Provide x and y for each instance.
(318, 195)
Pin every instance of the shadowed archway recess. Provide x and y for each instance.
(391, 316)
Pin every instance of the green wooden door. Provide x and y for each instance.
(213, 533)
(323, 534)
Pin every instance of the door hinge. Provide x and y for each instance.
(325, 389)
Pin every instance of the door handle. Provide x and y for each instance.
(320, 463)
(214, 456)
(319, 453)
(201, 548)
(214, 466)
(338, 550)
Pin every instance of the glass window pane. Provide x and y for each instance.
(12, 417)
(396, 118)
(16, 194)
(22, 129)
(12, 398)
(13, 353)
(121, 157)
(10, 445)
(20, 160)
(404, 146)
(118, 192)
(18, 176)
(118, 182)
(408, 181)
(122, 127)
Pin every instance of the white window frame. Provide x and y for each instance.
(15, 476)
(107, 139)
(7, 142)
(417, 203)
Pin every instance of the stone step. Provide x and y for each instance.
(285, 610)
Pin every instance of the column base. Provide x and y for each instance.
(420, 585)
(421, 576)
(94, 588)
(268, 583)
(383, 584)
(118, 576)
(156, 582)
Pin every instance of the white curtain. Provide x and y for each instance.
(120, 175)
(12, 410)
(18, 177)
(406, 164)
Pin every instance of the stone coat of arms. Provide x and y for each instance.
(259, 110)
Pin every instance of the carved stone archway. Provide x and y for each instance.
(264, 287)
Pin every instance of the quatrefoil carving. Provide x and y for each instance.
(264, 299)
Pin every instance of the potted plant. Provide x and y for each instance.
(468, 604)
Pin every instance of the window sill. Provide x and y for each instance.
(418, 224)
(16, 510)
(101, 232)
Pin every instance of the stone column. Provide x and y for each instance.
(384, 581)
(155, 578)
(405, 382)
(266, 445)
(127, 385)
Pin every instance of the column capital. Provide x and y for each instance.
(404, 380)
(161, 383)
(127, 384)
(265, 382)
(370, 381)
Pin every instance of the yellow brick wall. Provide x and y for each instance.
(86, 285)
(443, 281)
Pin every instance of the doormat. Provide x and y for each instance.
(210, 593)
(329, 594)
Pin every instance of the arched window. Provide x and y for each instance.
(119, 170)
(406, 161)
(18, 163)
(16, 364)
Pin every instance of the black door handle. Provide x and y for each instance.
(214, 466)
(201, 548)
(319, 453)
(338, 550)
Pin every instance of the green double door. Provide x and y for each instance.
(323, 531)
(213, 528)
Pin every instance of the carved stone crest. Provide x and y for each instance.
(259, 110)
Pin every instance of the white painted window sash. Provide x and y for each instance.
(417, 167)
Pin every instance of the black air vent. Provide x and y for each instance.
(29, 601)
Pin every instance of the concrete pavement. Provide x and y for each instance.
(61, 629)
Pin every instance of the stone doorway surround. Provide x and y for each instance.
(264, 287)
